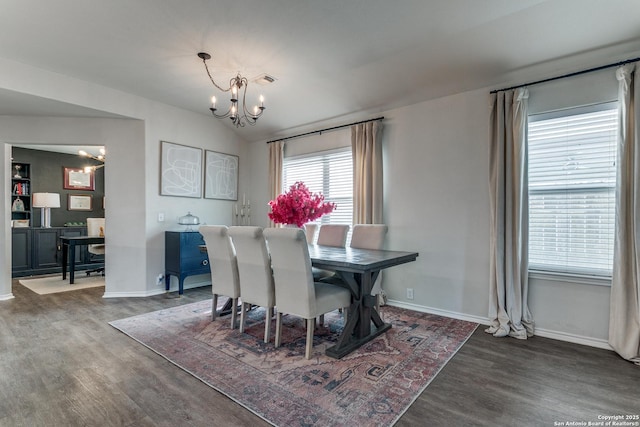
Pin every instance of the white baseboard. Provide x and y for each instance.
(6, 297)
(546, 333)
(439, 312)
(149, 293)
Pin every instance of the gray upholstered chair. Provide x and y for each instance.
(254, 269)
(330, 235)
(296, 292)
(224, 268)
(333, 235)
(310, 230)
(370, 236)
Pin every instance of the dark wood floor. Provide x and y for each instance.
(61, 364)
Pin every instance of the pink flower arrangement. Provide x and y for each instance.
(299, 206)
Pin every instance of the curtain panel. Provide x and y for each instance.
(508, 295)
(366, 146)
(276, 160)
(624, 315)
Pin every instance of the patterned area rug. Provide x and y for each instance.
(374, 385)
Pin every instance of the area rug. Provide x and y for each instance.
(372, 386)
(53, 284)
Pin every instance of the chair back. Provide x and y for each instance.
(96, 227)
(368, 236)
(295, 291)
(222, 259)
(333, 235)
(310, 230)
(254, 266)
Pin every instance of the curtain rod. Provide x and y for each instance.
(577, 73)
(326, 130)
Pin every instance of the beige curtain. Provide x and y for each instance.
(624, 316)
(276, 155)
(508, 306)
(366, 146)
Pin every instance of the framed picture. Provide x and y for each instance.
(78, 202)
(180, 170)
(78, 179)
(220, 176)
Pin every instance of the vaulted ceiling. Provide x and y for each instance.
(333, 59)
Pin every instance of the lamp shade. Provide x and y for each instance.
(46, 200)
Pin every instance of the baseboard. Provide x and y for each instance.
(152, 292)
(439, 312)
(545, 333)
(6, 297)
(576, 339)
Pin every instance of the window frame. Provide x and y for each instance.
(571, 275)
(325, 219)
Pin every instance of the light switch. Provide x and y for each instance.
(161, 217)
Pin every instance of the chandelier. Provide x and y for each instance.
(100, 157)
(239, 114)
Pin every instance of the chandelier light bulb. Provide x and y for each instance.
(83, 153)
(103, 151)
(213, 101)
(261, 100)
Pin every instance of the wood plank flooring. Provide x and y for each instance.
(61, 364)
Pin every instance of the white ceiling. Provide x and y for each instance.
(334, 60)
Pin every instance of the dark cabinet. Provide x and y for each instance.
(38, 251)
(21, 245)
(183, 257)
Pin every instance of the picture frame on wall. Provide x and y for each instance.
(180, 170)
(220, 176)
(78, 179)
(79, 202)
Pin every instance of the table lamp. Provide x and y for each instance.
(46, 201)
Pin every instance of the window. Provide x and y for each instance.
(329, 173)
(572, 177)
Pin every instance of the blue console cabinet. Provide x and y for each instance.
(183, 257)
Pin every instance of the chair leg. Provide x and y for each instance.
(214, 307)
(345, 313)
(321, 320)
(234, 312)
(278, 328)
(242, 316)
(309, 346)
(267, 325)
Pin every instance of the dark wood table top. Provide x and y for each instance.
(83, 240)
(357, 260)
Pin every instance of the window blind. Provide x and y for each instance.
(572, 177)
(329, 173)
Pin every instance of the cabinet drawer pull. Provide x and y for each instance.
(205, 262)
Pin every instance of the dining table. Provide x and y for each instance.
(358, 269)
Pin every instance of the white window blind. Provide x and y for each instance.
(329, 173)
(572, 177)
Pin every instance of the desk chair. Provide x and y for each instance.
(225, 279)
(96, 227)
(296, 292)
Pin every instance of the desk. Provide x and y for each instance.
(359, 268)
(69, 252)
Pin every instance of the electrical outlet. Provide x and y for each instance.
(409, 293)
(159, 279)
(161, 217)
